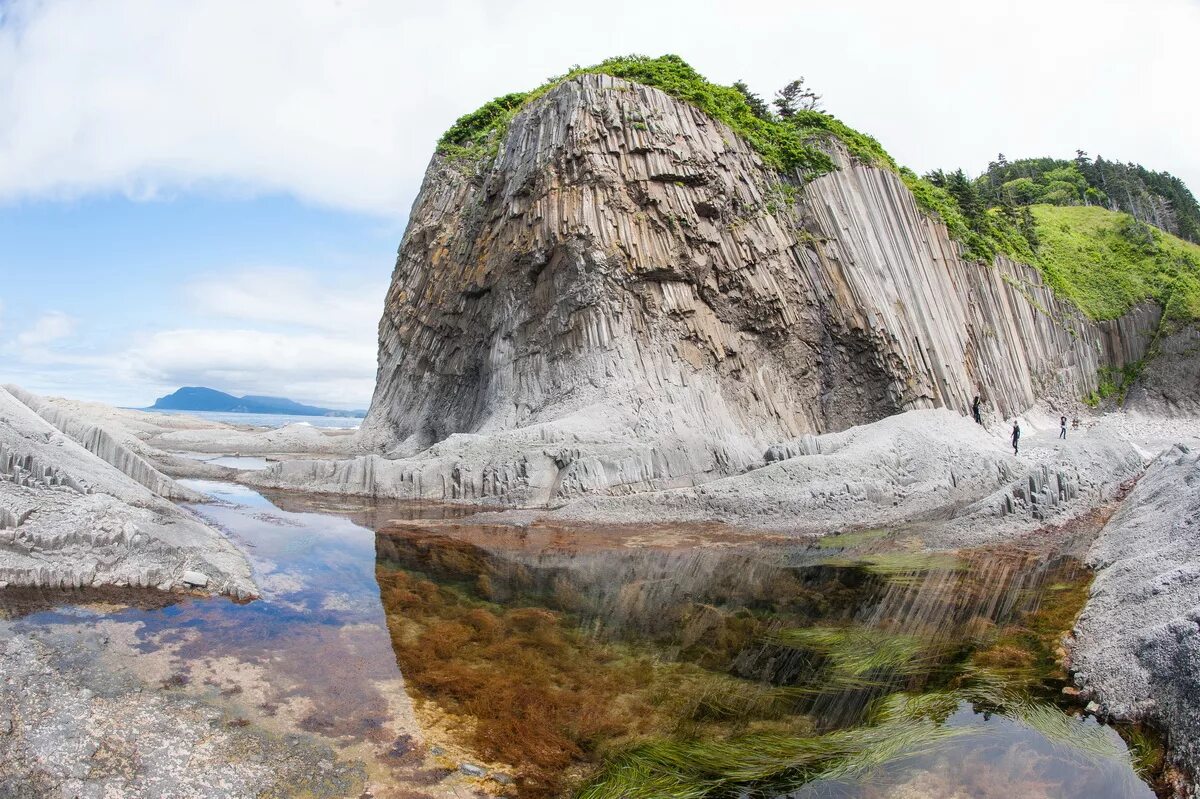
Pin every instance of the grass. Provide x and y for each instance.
(902, 726)
(764, 764)
(1106, 263)
(855, 652)
(785, 147)
(900, 567)
(853, 539)
(1026, 652)
(982, 240)
(532, 688)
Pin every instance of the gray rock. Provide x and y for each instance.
(608, 309)
(1138, 639)
(90, 512)
(472, 770)
(194, 578)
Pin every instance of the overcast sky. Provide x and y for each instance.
(199, 191)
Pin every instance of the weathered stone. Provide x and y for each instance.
(1138, 638)
(619, 308)
(78, 520)
(195, 578)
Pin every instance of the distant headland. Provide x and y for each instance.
(199, 398)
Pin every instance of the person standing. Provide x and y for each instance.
(1016, 436)
(1062, 427)
(975, 411)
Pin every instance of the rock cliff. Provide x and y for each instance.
(627, 298)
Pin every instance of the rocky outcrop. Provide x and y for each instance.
(69, 519)
(1170, 386)
(1138, 640)
(104, 444)
(627, 299)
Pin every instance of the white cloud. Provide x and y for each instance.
(46, 329)
(340, 103)
(291, 297)
(293, 335)
(315, 367)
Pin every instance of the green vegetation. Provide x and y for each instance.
(900, 726)
(854, 653)
(782, 145)
(770, 763)
(1156, 198)
(721, 702)
(900, 567)
(1005, 211)
(1106, 262)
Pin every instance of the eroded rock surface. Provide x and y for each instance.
(1138, 639)
(70, 519)
(628, 300)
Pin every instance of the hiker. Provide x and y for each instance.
(1016, 435)
(975, 410)
(1062, 427)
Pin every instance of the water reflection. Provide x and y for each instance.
(790, 656)
(639, 661)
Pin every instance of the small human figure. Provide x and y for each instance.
(1016, 436)
(975, 411)
(1062, 427)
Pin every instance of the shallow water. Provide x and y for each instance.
(250, 463)
(268, 419)
(551, 658)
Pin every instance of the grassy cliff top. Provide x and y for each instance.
(789, 145)
(1106, 262)
(786, 145)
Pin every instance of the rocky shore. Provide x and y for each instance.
(1137, 643)
(71, 518)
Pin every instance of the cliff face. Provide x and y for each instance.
(630, 291)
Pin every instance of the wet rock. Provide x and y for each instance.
(472, 770)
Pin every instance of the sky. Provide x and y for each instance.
(203, 192)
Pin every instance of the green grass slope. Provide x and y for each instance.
(1106, 262)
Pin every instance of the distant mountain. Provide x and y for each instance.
(198, 398)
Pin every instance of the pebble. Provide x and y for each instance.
(472, 770)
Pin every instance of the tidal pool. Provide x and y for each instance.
(446, 658)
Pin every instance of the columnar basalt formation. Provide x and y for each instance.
(628, 299)
(69, 519)
(104, 444)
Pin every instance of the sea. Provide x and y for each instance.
(270, 419)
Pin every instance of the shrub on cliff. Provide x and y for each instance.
(788, 145)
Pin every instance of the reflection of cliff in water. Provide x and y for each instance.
(772, 610)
